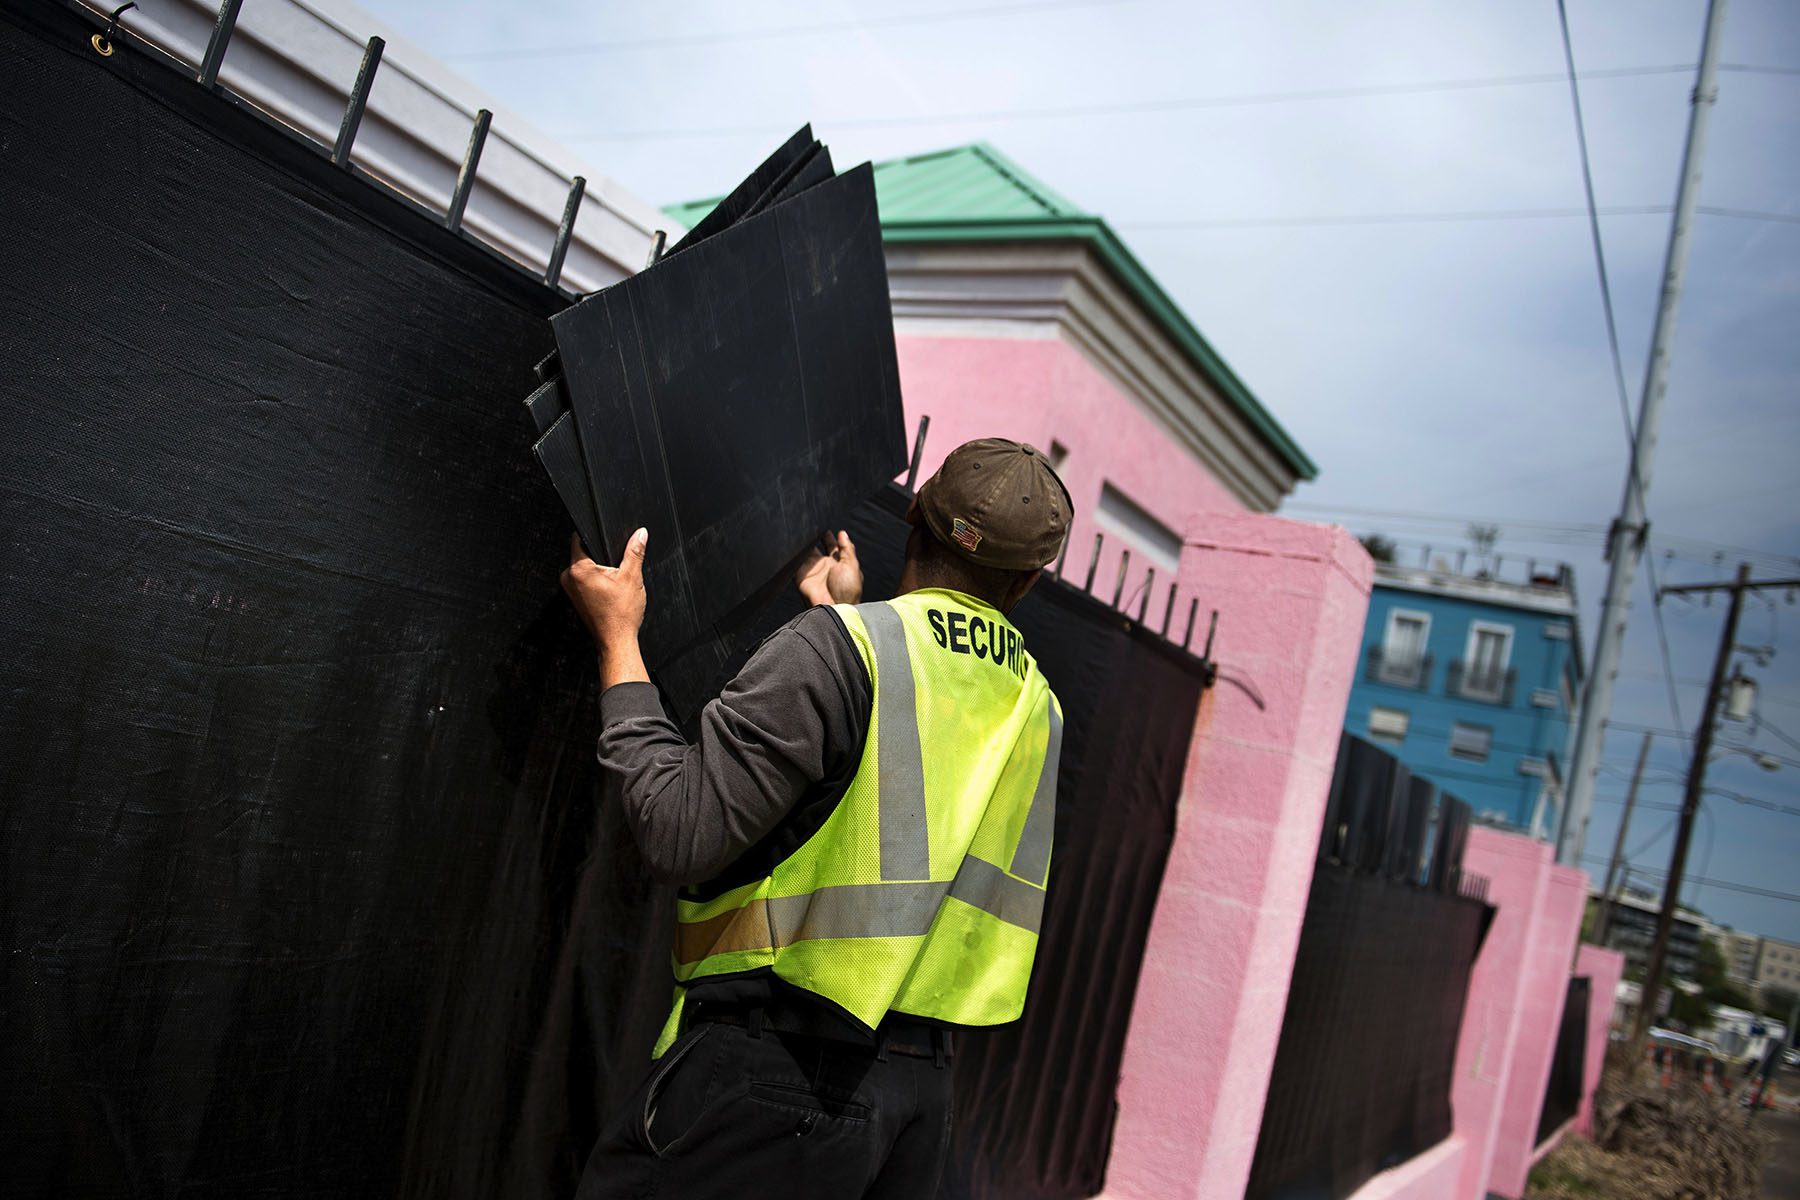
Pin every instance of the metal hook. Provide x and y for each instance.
(223, 28)
(103, 42)
(1119, 587)
(918, 454)
(565, 230)
(359, 101)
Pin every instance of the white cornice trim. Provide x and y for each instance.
(1062, 289)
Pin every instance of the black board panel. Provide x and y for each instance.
(736, 401)
(746, 195)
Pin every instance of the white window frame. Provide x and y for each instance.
(1451, 743)
(1545, 698)
(1476, 629)
(1383, 736)
(1388, 673)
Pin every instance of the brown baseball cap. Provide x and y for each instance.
(998, 503)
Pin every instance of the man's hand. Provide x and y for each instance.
(834, 578)
(611, 603)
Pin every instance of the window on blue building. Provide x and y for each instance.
(1471, 742)
(1485, 662)
(1403, 647)
(1388, 724)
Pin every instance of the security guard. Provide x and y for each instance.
(862, 832)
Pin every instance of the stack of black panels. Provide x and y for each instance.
(737, 398)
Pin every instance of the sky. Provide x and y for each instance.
(1372, 211)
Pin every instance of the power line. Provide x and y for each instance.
(1394, 218)
(1582, 533)
(1750, 69)
(1765, 723)
(1748, 214)
(1626, 727)
(1644, 804)
(1787, 810)
(1446, 518)
(1712, 883)
(670, 41)
(1132, 107)
(1200, 224)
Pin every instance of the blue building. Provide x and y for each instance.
(1472, 682)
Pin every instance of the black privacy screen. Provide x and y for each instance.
(1367, 1054)
(1568, 1068)
(310, 887)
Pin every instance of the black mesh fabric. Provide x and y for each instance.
(309, 885)
(306, 890)
(1364, 1066)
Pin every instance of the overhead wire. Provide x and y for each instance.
(1138, 107)
(1448, 217)
(672, 41)
(1765, 723)
(1712, 883)
(1116, 108)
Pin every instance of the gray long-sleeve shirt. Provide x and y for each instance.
(774, 755)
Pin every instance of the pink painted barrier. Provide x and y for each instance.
(1517, 871)
(1552, 955)
(1433, 1175)
(1291, 600)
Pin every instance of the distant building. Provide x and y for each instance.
(1741, 950)
(1632, 928)
(1777, 965)
(1471, 680)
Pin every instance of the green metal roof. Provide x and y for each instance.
(975, 193)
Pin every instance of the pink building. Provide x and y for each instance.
(1019, 314)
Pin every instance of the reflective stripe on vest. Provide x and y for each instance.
(855, 914)
(905, 834)
(860, 910)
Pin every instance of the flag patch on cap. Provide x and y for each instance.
(965, 534)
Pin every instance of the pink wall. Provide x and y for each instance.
(1291, 600)
(1517, 870)
(1042, 390)
(1604, 969)
(1551, 958)
(1433, 1175)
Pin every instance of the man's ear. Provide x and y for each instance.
(1020, 586)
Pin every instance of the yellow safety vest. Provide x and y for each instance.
(923, 891)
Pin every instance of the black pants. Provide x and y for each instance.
(727, 1114)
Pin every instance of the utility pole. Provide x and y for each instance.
(1696, 777)
(1625, 542)
(1603, 919)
